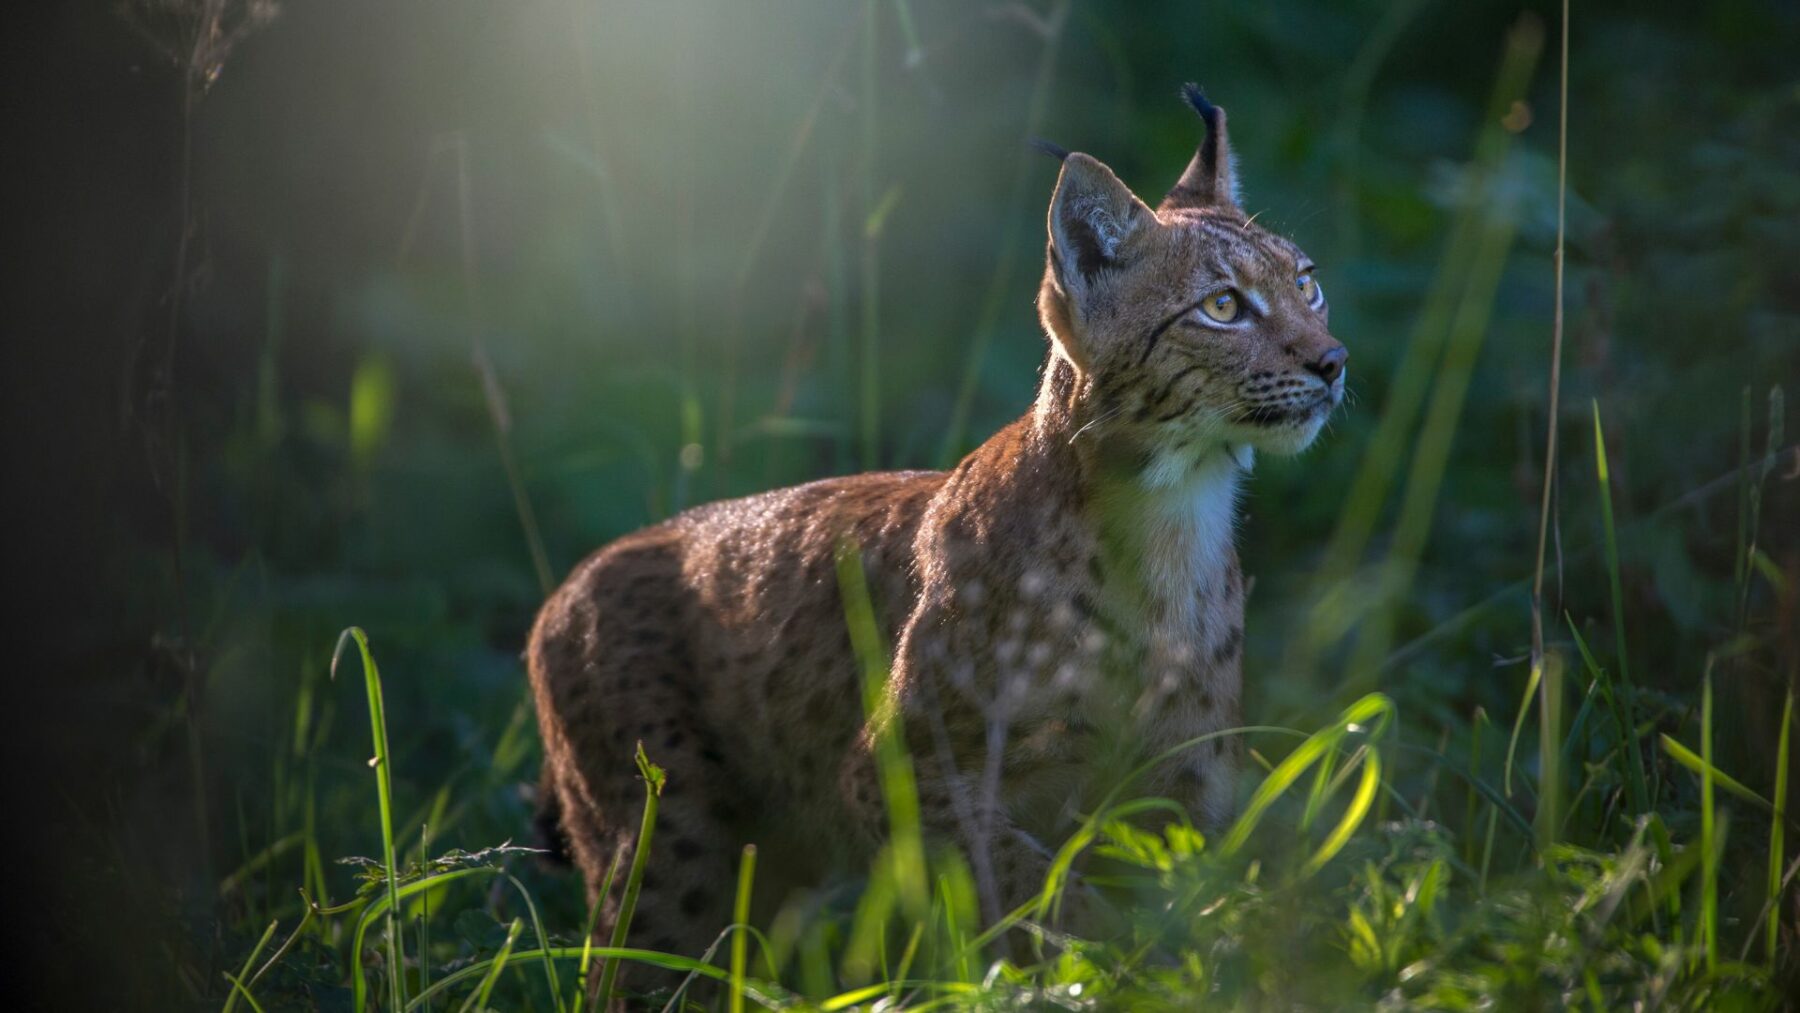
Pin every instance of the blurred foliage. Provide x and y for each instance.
(662, 254)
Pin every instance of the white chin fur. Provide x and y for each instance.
(1289, 439)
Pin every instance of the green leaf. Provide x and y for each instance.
(1692, 761)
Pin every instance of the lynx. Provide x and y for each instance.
(1063, 604)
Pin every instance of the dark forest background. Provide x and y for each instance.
(691, 250)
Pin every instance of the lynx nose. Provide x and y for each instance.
(1330, 366)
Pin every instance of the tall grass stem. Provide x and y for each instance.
(1709, 868)
(587, 938)
(383, 763)
(740, 936)
(478, 1000)
(1554, 416)
(237, 980)
(1636, 783)
(654, 779)
(1778, 828)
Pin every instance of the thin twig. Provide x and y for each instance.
(492, 394)
(312, 911)
(753, 257)
(999, 289)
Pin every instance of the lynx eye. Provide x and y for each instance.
(1309, 289)
(1223, 307)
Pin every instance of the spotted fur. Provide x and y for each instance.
(1064, 603)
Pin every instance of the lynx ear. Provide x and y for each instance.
(1210, 180)
(1092, 215)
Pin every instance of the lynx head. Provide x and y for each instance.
(1187, 327)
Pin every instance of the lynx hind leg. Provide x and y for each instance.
(610, 670)
(684, 899)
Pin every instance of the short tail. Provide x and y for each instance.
(547, 823)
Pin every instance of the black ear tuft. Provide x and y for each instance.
(1197, 98)
(1209, 180)
(1050, 148)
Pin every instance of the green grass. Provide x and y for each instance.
(1304, 879)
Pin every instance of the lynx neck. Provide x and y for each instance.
(1171, 529)
(1165, 518)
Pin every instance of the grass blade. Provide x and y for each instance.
(764, 994)
(1709, 832)
(1637, 783)
(1550, 786)
(1699, 765)
(1475, 726)
(237, 980)
(425, 912)
(537, 926)
(387, 904)
(1621, 723)
(1512, 744)
(587, 937)
(740, 915)
(899, 786)
(1374, 709)
(1353, 815)
(478, 999)
(238, 988)
(1751, 518)
(385, 791)
(312, 911)
(654, 779)
(1554, 415)
(1778, 826)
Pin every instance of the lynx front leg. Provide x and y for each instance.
(1009, 866)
